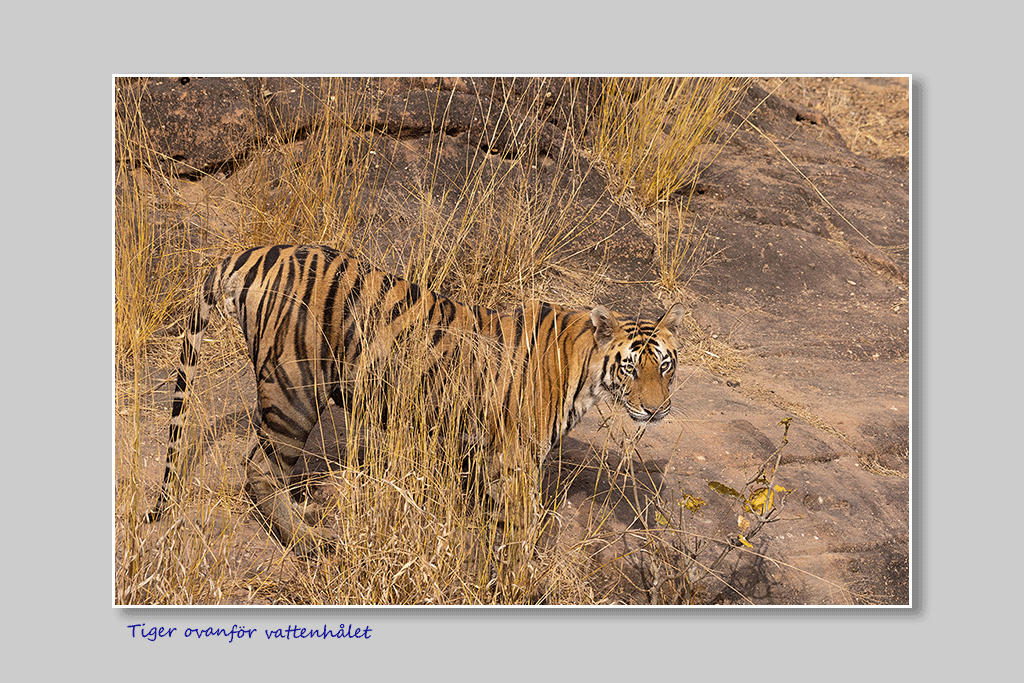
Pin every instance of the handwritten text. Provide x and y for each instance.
(293, 632)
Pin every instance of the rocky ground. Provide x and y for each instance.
(801, 311)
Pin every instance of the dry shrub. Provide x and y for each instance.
(657, 134)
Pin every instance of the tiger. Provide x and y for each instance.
(317, 323)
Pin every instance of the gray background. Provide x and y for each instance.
(58, 275)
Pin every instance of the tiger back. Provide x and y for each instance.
(321, 325)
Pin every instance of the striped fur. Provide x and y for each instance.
(320, 325)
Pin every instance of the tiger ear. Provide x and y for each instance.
(673, 320)
(605, 324)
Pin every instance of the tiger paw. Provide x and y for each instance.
(312, 513)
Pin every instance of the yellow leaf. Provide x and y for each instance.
(661, 519)
(745, 541)
(692, 503)
(759, 499)
(723, 489)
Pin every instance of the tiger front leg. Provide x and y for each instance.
(267, 469)
(510, 479)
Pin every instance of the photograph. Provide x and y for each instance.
(622, 343)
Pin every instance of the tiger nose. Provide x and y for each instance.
(655, 413)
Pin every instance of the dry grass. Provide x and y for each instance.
(658, 134)
(872, 120)
(655, 136)
(313, 191)
(410, 532)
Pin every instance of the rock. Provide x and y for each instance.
(195, 125)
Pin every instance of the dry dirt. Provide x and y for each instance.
(803, 314)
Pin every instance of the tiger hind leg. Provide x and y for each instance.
(268, 469)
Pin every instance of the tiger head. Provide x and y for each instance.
(638, 360)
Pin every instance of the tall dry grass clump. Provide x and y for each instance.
(154, 266)
(503, 243)
(655, 136)
(315, 188)
(496, 237)
(150, 259)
